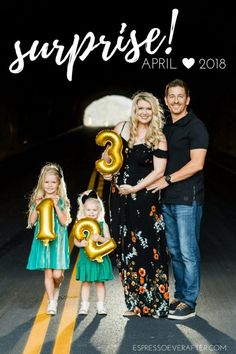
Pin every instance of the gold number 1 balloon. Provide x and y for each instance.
(114, 152)
(46, 221)
(94, 251)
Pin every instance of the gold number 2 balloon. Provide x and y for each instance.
(114, 152)
(46, 221)
(94, 251)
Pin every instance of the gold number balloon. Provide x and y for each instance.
(46, 221)
(83, 226)
(94, 251)
(114, 152)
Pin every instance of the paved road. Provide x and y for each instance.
(24, 326)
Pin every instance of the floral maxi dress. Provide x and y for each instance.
(139, 230)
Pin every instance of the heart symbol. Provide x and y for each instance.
(188, 63)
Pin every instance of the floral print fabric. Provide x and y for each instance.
(139, 229)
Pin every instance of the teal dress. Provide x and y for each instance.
(87, 270)
(54, 256)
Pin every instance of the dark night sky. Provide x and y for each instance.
(41, 92)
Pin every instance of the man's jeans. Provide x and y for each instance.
(182, 235)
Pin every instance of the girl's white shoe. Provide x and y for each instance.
(52, 307)
(84, 308)
(101, 309)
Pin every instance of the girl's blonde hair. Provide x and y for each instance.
(39, 193)
(97, 199)
(154, 133)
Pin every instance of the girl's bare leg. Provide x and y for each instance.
(58, 277)
(101, 291)
(85, 293)
(49, 283)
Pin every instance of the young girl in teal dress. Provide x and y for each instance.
(52, 257)
(87, 271)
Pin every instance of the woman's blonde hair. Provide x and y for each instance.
(154, 133)
(39, 193)
(95, 198)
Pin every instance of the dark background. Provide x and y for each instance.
(40, 102)
(41, 113)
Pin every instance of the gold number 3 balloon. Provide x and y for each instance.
(94, 251)
(46, 221)
(114, 152)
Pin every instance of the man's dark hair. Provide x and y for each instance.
(177, 82)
